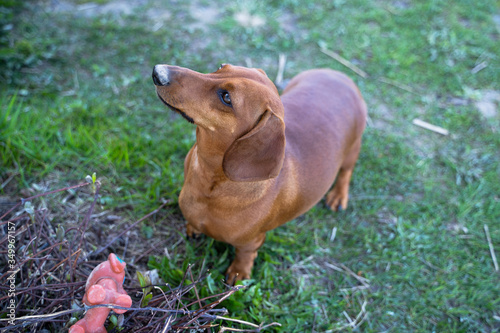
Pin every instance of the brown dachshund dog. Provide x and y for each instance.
(260, 161)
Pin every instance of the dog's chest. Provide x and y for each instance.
(212, 205)
(201, 196)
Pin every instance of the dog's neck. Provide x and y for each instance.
(210, 151)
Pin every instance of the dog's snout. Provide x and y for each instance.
(160, 75)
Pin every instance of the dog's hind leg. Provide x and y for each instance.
(338, 196)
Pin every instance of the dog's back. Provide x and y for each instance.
(325, 116)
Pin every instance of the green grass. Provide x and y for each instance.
(77, 97)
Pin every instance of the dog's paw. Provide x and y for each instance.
(191, 232)
(337, 199)
(235, 273)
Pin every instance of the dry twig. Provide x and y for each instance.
(397, 84)
(281, 69)
(345, 62)
(430, 127)
(490, 245)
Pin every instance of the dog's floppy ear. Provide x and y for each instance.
(259, 154)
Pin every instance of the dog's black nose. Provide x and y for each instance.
(160, 75)
(156, 80)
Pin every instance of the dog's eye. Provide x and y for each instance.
(221, 65)
(226, 99)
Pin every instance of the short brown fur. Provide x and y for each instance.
(262, 161)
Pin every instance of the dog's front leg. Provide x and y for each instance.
(192, 232)
(241, 267)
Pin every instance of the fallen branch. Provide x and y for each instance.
(360, 318)
(281, 69)
(397, 84)
(258, 328)
(492, 250)
(344, 269)
(28, 320)
(430, 127)
(479, 67)
(345, 62)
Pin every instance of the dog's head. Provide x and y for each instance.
(239, 107)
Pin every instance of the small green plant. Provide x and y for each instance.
(30, 210)
(145, 283)
(92, 181)
(116, 322)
